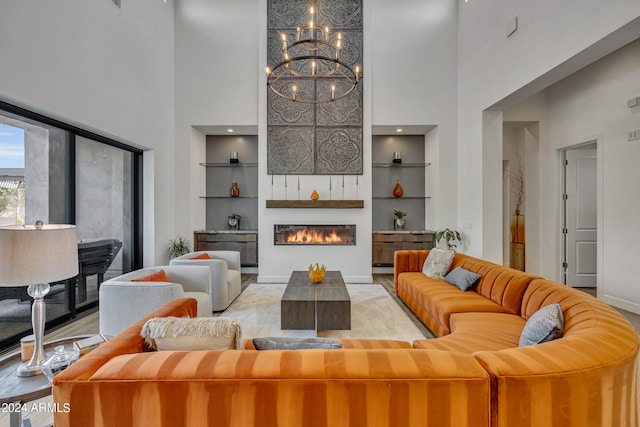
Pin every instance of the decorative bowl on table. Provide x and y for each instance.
(316, 274)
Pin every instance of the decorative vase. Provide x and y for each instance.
(397, 190)
(517, 246)
(316, 275)
(315, 195)
(234, 191)
(398, 224)
(234, 223)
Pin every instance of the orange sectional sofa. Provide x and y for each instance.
(586, 378)
(473, 374)
(368, 383)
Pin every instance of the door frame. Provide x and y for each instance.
(598, 140)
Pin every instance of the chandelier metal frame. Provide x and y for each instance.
(312, 56)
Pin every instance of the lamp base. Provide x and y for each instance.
(28, 370)
(38, 314)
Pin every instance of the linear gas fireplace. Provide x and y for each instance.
(286, 234)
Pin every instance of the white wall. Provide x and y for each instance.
(592, 104)
(106, 69)
(586, 106)
(217, 68)
(411, 44)
(553, 40)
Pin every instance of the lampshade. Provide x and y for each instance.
(30, 255)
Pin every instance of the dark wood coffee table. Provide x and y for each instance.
(323, 306)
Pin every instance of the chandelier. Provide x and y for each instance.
(314, 53)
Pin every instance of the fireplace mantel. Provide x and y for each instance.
(315, 204)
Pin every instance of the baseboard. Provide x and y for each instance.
(621, 303)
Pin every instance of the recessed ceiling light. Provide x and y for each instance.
(399, 130)
(230, 130)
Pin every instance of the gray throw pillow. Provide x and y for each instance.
(288, 343)
(464, 279)
(546, 324)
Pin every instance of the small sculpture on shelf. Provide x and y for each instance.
(315, 195)
(399, 222)
(234, 191)
(234, 221)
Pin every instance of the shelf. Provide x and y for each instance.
(228, 197)
(400, 165)
(229, 165)
(401, 198)
(315, 204)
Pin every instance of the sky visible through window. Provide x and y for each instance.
(11, 147)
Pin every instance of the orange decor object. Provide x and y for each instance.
(201, 256)
(234, 191)
(397, 190)
(315, 195)
(316, 275)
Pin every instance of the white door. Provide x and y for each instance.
(581, 218)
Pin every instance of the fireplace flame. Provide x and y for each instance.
(308, 237)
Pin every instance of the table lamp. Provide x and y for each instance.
(33, 256)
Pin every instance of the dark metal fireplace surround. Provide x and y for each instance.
(324, 235)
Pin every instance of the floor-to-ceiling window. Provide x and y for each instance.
(58, 173)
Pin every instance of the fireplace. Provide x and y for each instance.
(326, 235)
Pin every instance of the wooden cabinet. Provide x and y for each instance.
(243, 241)
(386, 243)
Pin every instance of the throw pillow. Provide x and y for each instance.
(546, 324)
(159, 276)
(464, 279)
(437, 263)
(201, 333)
(285, 343)
(202, 256)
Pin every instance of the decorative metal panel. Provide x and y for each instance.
(281, 111)
(346, 111)
(290, 150)
(338, 151)
(321, 138)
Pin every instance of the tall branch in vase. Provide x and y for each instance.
(517, 189)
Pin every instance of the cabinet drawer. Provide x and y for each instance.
(226, 237)
(387, 237)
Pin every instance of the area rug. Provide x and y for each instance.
(374, 314)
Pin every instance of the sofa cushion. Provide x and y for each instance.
(201, 256)
(463, 279)
(294, 343)
(440, 300)
(437, 263)
(202, 333)
(471, 332)
(546, 324)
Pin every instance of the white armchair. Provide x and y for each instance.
(225, 274)
(123, 302)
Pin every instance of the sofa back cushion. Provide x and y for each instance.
(502, 285)
(577, 307)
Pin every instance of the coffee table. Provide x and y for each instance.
(323, 306)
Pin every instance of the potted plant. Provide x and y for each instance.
(234, 221)
(451, 237)
(177, 247)
(399, 222)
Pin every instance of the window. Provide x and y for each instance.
(58, 173)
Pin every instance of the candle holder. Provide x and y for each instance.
(233, 157)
